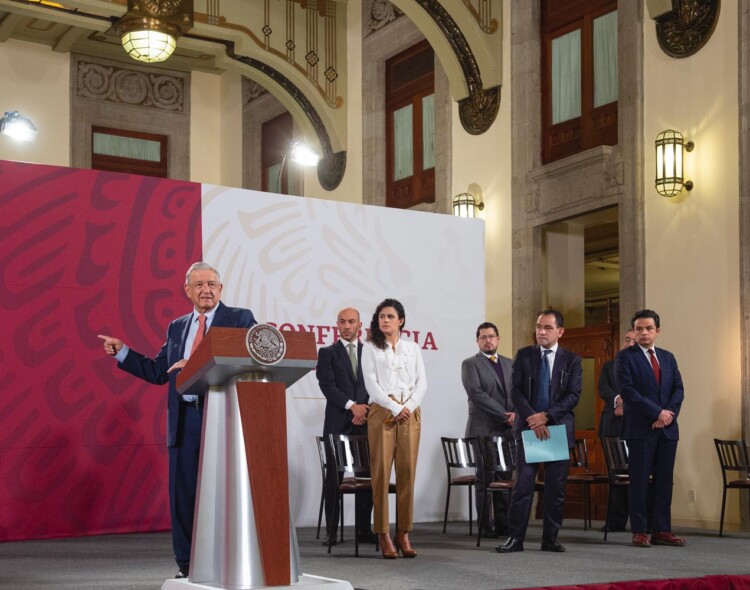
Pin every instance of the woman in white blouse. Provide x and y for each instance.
(395, 379)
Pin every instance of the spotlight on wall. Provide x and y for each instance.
(465, 205)
(669, 174)
(150, 28)
(15, 125)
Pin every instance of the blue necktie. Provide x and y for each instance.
(542, 395)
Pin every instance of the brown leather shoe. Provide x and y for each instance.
(667, 538)
(641, 540)
(402, 544)
(386, 546)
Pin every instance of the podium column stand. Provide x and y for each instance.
(243, 535)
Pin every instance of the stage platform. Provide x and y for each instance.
(445, 562)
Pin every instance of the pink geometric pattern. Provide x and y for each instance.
(82, 444)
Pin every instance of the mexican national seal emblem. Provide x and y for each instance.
(265, 344)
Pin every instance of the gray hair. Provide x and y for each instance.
(201, 266)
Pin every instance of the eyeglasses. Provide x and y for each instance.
(488, 337)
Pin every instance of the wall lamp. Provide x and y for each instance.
(465, 205)
(669, 174)
(150, 28)
(15, 125)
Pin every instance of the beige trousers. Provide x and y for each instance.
(391, 441)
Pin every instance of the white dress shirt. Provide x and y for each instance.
(398, 373)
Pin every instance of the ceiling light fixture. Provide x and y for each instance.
(15, 125)
(150, 28)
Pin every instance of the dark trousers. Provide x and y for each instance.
(183, 481)
(653, 457)
(618, 512)
(364, 514)
(555, 476)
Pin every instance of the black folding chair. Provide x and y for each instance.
(733, 457)
(584, 478)
(459, 454)
(616, 455)
(352, 455)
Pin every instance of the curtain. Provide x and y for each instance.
(428, 132)
(272, 173)
(566, 77)
(127, 147)
(605, 59)
(403, 145)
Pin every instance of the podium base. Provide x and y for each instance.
(306, 582)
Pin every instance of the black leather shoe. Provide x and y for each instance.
(512, 545)
(553, 546)
(335, 541)
(182, 573)
(491, 535)
(367, 537)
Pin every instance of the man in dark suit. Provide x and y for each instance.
(184, 413)
(486, 377)
(547, 381)
(610, 424)
(651, 386)
(339, 374)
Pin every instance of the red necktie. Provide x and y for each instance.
(199, 333)
(655, 366)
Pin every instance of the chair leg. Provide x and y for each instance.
(723, 505)
(320, 512)
(447, 501)
(471, 515)
(341, 518)
(481, 517)
(356, 524)
(609, 508)
(586, 506)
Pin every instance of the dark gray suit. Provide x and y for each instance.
(489, 401)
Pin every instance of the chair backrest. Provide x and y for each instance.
(580, 455)
(616, 455)
(496, 454)
(732, 456)
(322, 442)
(352, 453)
(459, 453)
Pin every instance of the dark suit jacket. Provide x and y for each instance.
(565, 388)
(609, 424)
(339, 384)
(644, 399)
(489, 399)
(155, 370)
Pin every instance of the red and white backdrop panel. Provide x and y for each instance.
(82, 445)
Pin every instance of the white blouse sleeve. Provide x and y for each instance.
(370, 374)
(420, 382)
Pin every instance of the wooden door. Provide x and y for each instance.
(595, 345)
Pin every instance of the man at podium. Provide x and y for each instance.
(184, 413)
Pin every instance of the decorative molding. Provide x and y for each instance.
(116, 84)
(482, 13)
(331, 166)
(686, 28)
(382, 12)
(478, 110)
(251, 91)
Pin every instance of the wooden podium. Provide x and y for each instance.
(243, 536)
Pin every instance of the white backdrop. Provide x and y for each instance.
(297, 261)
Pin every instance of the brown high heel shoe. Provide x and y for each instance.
(386, 546)
(403, 544)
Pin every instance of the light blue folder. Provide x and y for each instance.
(555, 448)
